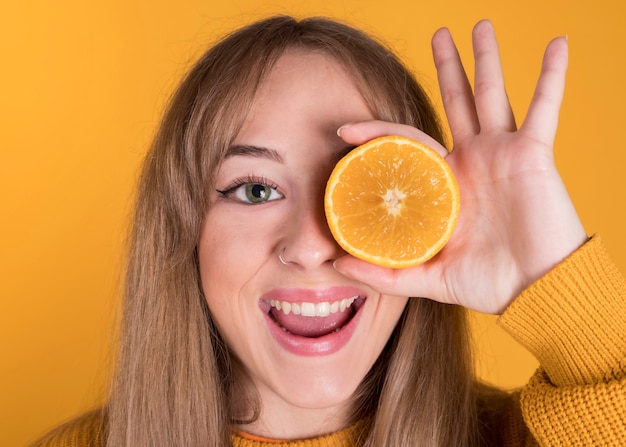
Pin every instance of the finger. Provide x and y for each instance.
(361, 132)
(543, 114)
(396, 282)
(456, 91)
(492, 103)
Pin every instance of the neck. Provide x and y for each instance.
(295, 423)
(282, 419)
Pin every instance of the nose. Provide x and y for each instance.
(309, 242)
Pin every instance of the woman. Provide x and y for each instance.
(229, 232)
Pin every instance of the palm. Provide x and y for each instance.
(510, 222)
(516, 218)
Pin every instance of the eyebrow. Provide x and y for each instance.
(254, 151)
(247, 150)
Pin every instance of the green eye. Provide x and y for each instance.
(251, 192)
(257, 193)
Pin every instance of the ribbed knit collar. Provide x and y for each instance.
(347, 437)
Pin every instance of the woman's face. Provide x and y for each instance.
(305, 334)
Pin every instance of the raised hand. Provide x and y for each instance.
(517, 220)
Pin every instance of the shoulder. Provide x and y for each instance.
(84, 431)
(500, 418)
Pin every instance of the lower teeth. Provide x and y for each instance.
(287, 330)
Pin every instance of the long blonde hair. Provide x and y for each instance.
(174, 382)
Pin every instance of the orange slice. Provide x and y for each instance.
(392, 201)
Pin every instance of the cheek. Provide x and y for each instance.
(219, 274)
(235, 238)
(230, 251)
(391, 308)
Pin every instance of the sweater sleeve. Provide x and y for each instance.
(573, 320)
(85, 431)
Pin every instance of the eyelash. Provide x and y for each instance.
(242, 181)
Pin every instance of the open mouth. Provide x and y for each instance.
(313, 320)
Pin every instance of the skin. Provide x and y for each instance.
(516, 223)
(294, 120)
(517, 220)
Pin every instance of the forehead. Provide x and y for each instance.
(304, 91)
(300, 72)
(298, 61)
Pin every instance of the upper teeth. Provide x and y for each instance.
(305, 309)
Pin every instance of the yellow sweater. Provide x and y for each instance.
(573, 320)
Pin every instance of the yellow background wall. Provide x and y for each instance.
(82, 85)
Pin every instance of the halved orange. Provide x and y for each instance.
(393, 202)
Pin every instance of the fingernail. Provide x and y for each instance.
(345, 126)
(336, 268)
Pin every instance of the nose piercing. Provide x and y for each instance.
(281, 259)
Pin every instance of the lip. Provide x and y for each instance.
(308, 346)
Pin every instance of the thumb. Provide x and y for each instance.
(388, 281)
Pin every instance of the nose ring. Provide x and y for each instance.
(281, 259)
